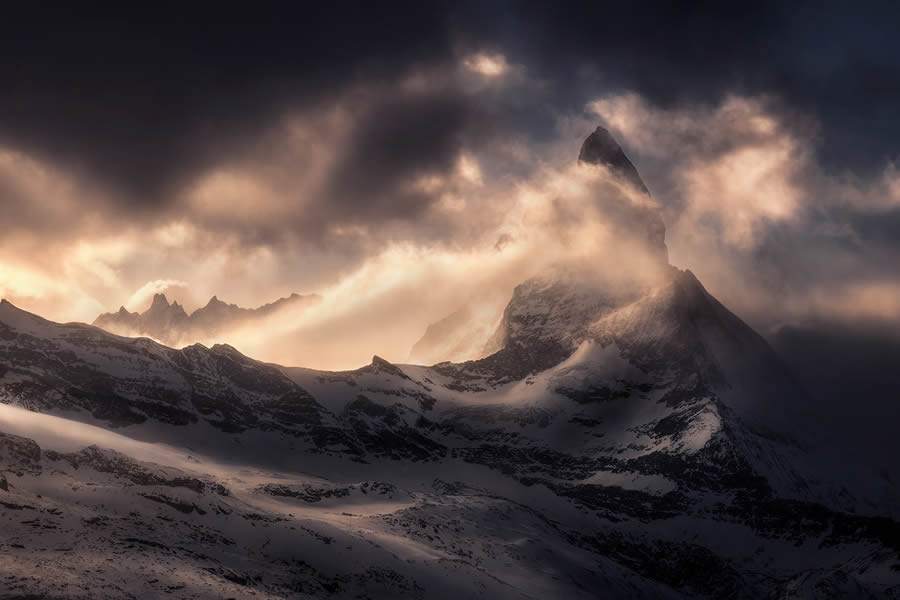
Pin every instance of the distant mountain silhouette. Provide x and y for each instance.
(170, 324)
(629, 437)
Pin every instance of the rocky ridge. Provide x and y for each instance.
(170, 324)
(630, 438)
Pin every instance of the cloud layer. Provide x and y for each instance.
(753, 211)
(400, 221)
(404, 175)
(405, 160)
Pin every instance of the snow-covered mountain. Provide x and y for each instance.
(631, 438)
(170, 324)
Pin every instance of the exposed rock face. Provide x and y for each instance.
(170, 324)
(615, 413)
(641, 220)
(600, 148)
(557, 305)
(632, 438)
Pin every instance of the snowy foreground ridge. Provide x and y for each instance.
(636, 442)
(630, 468)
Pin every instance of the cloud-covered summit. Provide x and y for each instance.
(413, 157)
(600, 148)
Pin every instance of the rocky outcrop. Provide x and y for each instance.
(631, 438)
(600, 148)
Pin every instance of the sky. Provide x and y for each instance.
(406, 159)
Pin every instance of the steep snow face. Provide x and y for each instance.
(558, 310)
(549, 316)
(630, 384)
(680, 326)
(628, 439)
(591, 474)
(503, 517)
(554, 308)
(169, 323)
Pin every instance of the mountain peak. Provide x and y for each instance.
(380, 362)
(636, 217)
(600, 148)
(162, 316)
(380, 365)
(169, 323)
(159, 301)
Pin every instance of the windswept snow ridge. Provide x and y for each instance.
(627, 439)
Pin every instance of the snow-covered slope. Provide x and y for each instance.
(631, 438)
(617, 466)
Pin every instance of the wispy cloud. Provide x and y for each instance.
(754, 213)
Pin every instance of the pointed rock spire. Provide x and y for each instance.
(600, 148)
(159, 302)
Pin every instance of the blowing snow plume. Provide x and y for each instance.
(510, 385)
(593, 216)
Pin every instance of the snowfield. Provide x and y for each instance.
(622, 439)
(632, 467)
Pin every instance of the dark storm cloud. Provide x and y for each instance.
(116, 122)
(881, 229)
(396, 139)
(838, 62)
(145, 105)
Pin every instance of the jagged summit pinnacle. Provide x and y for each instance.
(600, 148)
(636, 217)
(159, 301)
(170, 324)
